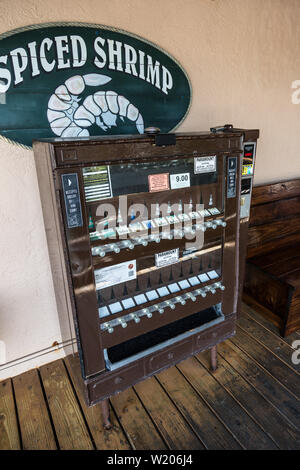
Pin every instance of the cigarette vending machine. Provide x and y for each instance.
(144, 238)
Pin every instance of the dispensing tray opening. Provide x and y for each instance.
(135, 348)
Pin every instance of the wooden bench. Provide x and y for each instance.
(272, 278)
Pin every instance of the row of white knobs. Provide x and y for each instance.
(116, 247)
(160, 307)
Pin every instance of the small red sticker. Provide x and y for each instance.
(130, 266)
(158, 182)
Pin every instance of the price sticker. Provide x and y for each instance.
(180, 180)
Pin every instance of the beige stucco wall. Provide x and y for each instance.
(241, 57)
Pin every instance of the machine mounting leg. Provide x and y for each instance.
(214, 358)
(105, 414)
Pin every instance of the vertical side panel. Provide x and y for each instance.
(81, 269)
(55, 244)
(231, 242)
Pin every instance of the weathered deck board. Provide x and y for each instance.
(35, 425)
(245, 430)
(269, 419)
(282, 372)
(174, 429)
(267, 339)
(251, 401)
(249, 312)
(264, 383)
(68, 421)
(204, 422)
(139, 428)
(9, 435)
(114, 439)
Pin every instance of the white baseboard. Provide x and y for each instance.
(37, 359)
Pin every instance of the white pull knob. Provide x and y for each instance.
(181, 300)
(114, 248)
(122, 322)
(159, 309)
(211, 289)
(135, 317)
(191, 296)
(201, 292)
(171, 304)
(219, 285)
(147, 312)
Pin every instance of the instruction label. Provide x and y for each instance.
(112, 275)
(205, 164)
(72, 200)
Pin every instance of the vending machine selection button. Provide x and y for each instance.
(128, 303)
(194, 281)
(116, 307)
(203, 277)
(173, 287)
(163, 291)
(212, 275)
(140, 299)
(152, 295)
(184, 284)
(214, 211)
(103, 312)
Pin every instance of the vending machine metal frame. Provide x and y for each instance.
(201, 315)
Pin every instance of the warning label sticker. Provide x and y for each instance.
(205, 164)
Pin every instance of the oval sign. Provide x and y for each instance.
(77, 79)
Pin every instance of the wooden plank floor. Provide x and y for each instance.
(250, 402)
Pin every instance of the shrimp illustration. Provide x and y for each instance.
(68, 118)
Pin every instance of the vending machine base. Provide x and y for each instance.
(99, 389)
(105, 402)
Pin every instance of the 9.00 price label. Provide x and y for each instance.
(180, 180)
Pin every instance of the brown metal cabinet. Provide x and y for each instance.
(145, 247)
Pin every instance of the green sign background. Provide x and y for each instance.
(23, 108)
